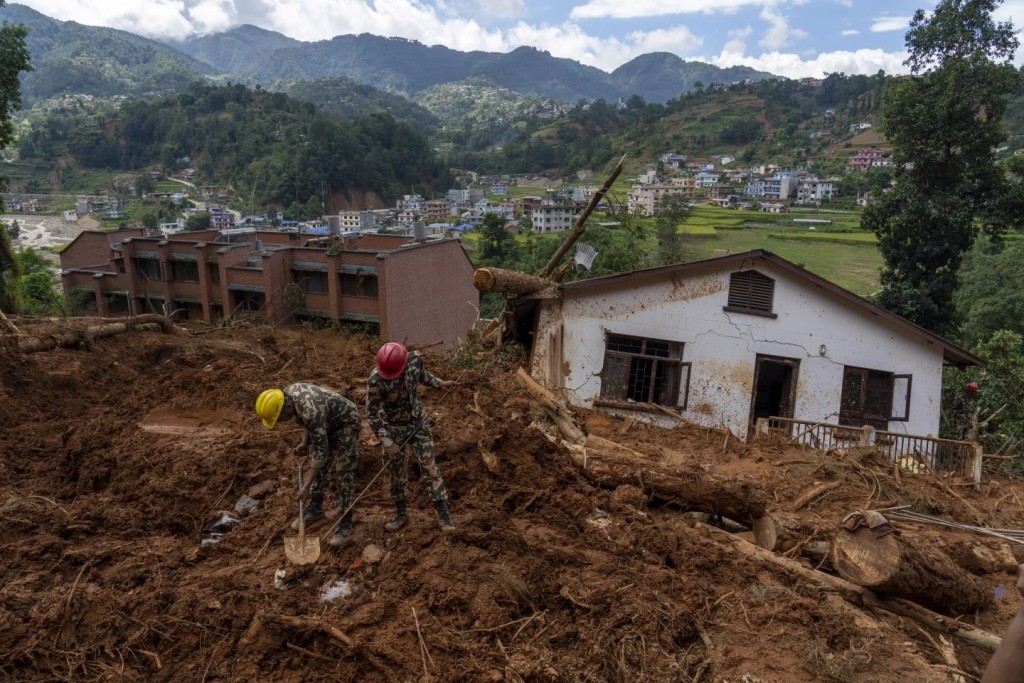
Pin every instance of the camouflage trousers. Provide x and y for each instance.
(341, 460)
(422, 444)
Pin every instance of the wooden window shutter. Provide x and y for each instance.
(751, 290)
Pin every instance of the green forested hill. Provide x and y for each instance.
(346, 99)
(280, 151)
(72, 58)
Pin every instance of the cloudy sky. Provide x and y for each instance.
(786, 37)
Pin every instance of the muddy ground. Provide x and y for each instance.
(116, 458)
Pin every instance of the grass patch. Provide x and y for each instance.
(697, 230)
(836, 237)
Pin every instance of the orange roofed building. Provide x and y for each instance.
(415, 291)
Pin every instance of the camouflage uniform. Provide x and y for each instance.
(394, 411)
(333, 422)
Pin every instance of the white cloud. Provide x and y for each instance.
(156, 19)
(779, 33)
(851, 32)
(677, 39)
(503, 9)
(883, 24)
(737, 43)
(617, 9)
(793, 66)
(213, 16)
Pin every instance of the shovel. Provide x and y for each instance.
(299, 549)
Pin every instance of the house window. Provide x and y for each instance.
(751, 292)
(359, 284)
(873, 397)
(148, 268)
(311, 281)
(644, 371)
(213, 270)
(185, 271)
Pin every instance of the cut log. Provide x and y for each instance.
(7, 325)
(508, 281)
(858, 594)
(891, 565)
(558, 413)
(782, 531)
(983, 558)
(611, 465)
(71, 336)
(812, 493)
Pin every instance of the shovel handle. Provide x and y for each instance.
(302, 513)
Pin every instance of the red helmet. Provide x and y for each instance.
(971, 387)
(391, 360)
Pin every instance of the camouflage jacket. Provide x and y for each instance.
(323, 413)
(396, 401)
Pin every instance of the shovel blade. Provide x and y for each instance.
(302, 550)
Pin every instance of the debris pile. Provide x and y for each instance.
(624, 553)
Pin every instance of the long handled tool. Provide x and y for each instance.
(407, 439)
(302, 549)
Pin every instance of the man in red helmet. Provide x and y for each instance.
(397, 417)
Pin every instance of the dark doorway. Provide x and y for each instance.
(774, 387)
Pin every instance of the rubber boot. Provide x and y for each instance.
(341, 534)
(443, 516)
(314, 513)
(401, 516)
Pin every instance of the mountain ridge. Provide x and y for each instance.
(69, 57)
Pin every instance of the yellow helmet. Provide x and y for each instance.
(269, 406)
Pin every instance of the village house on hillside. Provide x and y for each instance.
(418, 291)
(729, 340)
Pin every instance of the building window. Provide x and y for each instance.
(751, 292)
(311, 281)
(873, 397)
(359, 284)
(148, 268)
(185, 271)
(644, 371)
(213, 270)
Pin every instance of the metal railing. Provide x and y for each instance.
(912, 451)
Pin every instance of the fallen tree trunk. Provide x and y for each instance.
(70, 336)
(860, 594)
(508, 281)
(782, 531)
(581, 224)
(891, 565)
(611, 465)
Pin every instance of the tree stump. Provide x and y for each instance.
(893, 565)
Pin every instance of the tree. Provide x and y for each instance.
(497, 245)
(197, 221)
(991, 294)
(14, 59)
(943, 123)
(673, 210)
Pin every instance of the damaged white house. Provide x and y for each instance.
(729, 340)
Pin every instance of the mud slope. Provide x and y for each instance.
(115, 458)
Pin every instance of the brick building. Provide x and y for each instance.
(416, 291)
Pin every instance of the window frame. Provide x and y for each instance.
(882, 418)
(751, 277)
(361, 285)
(305, 278)
(143, 273)
(177, 266)
(615, 396)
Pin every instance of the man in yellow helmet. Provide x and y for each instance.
(331, 426)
